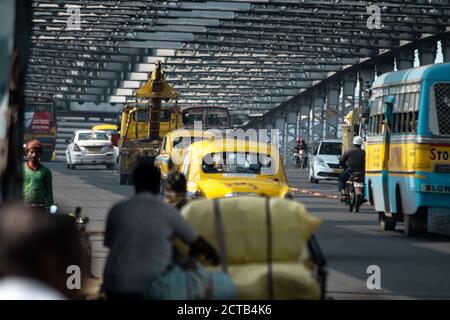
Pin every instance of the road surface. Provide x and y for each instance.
(411, 268)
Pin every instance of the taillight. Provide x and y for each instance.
(76, 147)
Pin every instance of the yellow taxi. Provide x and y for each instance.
(228, 168)
(174, 145)
(105, 127)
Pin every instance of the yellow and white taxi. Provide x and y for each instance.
(228, 168)
(174, 145)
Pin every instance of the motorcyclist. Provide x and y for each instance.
(354, 161)
(301, 145)
(37, 179)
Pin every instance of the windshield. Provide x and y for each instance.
(185, 142)
(92, 136)
(142, 116)
(238, 163)
(191, 116)
(217, 118)
(331, 148)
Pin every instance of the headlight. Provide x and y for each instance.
(231, 194)
(321, 162)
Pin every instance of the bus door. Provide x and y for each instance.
(387, 124)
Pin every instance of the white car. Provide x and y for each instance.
(324, 164)
(88, 147)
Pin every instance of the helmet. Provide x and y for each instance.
(33, 144)
(358, 141)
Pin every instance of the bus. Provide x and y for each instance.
(210, 117)
(40, 120)
(408, 149)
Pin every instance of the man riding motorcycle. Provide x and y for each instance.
(354, 161)
(301, 149)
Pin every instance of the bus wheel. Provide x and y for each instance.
(415, 224)
(386, 223)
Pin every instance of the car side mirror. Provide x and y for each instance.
(68, 140)
(315, 153)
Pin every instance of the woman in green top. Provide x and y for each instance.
(37, 179)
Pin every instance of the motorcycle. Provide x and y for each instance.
(300, 158)
(355, 191)
(84, 238)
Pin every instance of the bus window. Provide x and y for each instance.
(413, 120)
(378, 124)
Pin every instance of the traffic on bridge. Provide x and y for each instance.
(225, 150)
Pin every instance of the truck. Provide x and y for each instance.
(141, 122)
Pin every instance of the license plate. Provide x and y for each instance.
(439, 220)
(358, 184)
(94, 149)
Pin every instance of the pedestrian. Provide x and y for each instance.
(175, 189)
(37, 179)
(36, 250)
(139, 233)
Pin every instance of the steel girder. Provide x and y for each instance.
(276, 48)
(332, 109)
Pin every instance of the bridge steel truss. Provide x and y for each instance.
(295, 62)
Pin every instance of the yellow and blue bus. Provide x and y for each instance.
(408, 149)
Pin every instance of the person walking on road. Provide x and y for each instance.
(37, 179)
(139, 234)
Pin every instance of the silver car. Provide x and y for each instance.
(87, 147)
(324, 164)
